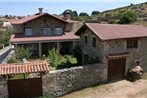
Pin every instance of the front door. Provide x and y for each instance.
(116, 68)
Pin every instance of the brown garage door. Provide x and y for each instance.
(116, 68)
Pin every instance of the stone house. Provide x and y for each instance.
(42, 32)
(118, 47)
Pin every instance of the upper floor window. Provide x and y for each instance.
(46, 31)
(86, 39)
(132, 43)
(58, 31)
(28, 32)
(94, 42)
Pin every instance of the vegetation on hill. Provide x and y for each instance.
(114, 15)
(128, 17)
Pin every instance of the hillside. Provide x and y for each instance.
(114, 14)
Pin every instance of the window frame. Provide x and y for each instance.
(47, 34)
(57, 29)
(27, 32)
(132, 43)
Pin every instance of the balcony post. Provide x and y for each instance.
(58, 47)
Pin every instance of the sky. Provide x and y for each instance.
(29, 7)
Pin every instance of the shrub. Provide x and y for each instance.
(12, 60)
(60, 62)
(67, 61)
(21, 52)
(128, 17)
(54, 58)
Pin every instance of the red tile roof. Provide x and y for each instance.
(116, 31)
(36, 67)
(29, 18)
(16, 38)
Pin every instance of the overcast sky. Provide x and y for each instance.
(28, 7)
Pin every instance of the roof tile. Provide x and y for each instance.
(117, 31)
(10, 69)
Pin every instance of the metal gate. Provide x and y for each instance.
(23, 88)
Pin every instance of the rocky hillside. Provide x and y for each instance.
(114, 14)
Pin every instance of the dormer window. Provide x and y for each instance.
(28, 32)
(46, 31)
(58, 31)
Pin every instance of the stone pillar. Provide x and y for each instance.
(58, 47)
(40, 50)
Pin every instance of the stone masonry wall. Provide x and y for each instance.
(88, 48)
(3, 88)
(60, 82)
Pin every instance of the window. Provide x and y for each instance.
(94, 42)
(86, 39)
(46, 32)
(58, 31)
(132, 43)
(28, 32)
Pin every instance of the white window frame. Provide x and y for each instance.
(58, 31)
(45, 33)
(28, 32)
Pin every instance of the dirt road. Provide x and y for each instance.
(120, 89)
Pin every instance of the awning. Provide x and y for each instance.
(35, 67)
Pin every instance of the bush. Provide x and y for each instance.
(12, 60)
(128, 17)
(60, 62)
(83, 18)
(54, 58)
(21, 52)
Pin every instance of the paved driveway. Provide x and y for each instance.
(120, 89)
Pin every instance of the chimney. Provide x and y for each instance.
(40, 10)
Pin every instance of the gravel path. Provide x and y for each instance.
(120, 89)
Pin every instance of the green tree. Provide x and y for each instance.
(83, 14)
(5, 36)
(95, 12)
(128, 17)
(75, 14)
(21, 52)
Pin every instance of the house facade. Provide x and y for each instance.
(42, 32)
(117, 46)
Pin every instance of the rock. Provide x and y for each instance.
(135, 73)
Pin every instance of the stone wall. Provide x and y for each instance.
(103, 48)
(88, 49)
(3, 88)
(38, 24)
(4, 52)
(120, 45)
(60, 82)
